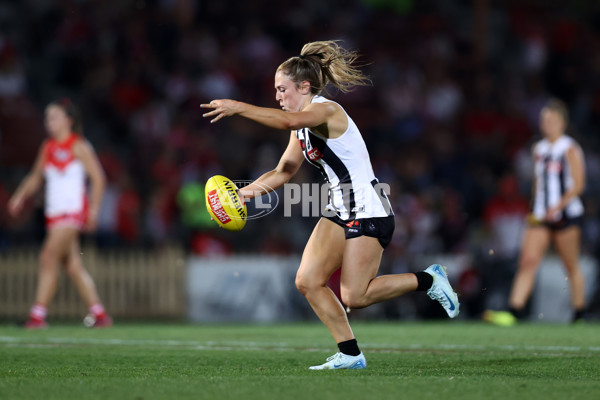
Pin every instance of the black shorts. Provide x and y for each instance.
(559, 225)
(381, 228)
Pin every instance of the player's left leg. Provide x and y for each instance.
(360, 287)
(567, 243)
(86, 287)
(54, 251)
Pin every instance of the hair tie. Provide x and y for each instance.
(319, 55)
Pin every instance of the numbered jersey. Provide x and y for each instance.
(65, 178)
(553, 177)
(344, 162)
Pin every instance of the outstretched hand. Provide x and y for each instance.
(221, 108)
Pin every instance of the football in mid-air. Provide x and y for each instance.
(224, 204)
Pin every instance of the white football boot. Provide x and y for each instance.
(343, 361)
(442, 291)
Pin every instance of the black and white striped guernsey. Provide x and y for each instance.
(553, 177)
(344, 162)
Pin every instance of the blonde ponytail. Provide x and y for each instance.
(324, 62)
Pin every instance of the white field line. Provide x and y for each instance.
(225, 345)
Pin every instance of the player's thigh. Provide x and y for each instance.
(535, 243)
(568, 243)
(362, 257)
(73, 260)
(58, 242)
(322, 255)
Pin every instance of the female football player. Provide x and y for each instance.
(64, 160)
(559, 180)
(359, 221)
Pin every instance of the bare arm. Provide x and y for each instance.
(30, 184)
(576, 162)
(288, 166)
(84, 152)
(313, 115)
(534, 182)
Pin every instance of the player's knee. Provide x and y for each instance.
(73, 268)
(354, 299)
(529, 261)
(306, 283)
(48, 258)
(572, 269)
(302, 284)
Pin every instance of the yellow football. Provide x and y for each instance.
(224, 204)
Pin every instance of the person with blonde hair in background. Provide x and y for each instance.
(556, 217)
(359, 221)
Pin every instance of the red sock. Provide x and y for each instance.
(98, 310)
(38, 312)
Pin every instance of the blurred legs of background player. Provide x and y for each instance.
(536, 241)
(61, 248)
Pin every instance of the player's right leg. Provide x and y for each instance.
(322, 256)
(536, 240)
(54, 250)
(535, 243)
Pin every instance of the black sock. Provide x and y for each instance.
(424, 281)
(578, 315)
(349, 347)
(519, 314)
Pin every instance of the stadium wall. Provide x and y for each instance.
(131, 283)
(165, 283)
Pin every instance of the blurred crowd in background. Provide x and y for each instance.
(449, 120)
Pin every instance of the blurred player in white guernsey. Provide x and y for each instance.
(359, 221)
(64, 162)
(557, 210)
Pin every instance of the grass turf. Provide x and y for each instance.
(446, 360)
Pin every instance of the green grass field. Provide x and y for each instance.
(446, 360)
